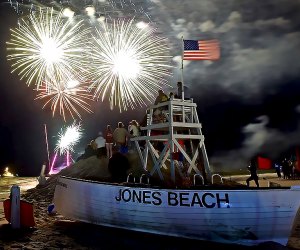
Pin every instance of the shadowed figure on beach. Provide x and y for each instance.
(90, 150)
(118, 165)
(253, 174)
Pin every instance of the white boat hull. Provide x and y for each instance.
(247, 217)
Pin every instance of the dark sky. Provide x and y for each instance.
(248, 101)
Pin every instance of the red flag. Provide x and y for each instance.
(297, 165)
(264, 163)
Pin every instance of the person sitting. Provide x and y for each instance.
(162, 97)
(158, 112)
(90, 150)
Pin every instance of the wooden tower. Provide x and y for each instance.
(173, 124)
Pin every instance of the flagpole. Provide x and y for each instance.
(182, 83)
(46, 138)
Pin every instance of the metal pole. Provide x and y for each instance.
(15, 206)
(182, 86)
(46, 137)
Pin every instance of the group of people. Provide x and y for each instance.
(118, 138)
(287, 168)
(112, 140)
(182, 92)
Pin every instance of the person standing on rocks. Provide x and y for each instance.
(121, 137)
(109, 141)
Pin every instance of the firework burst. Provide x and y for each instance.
(67, 97)
(47, 45)
(67, 138)
(129, 64)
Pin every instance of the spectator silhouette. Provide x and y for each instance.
(109, 141)
(121, 137)
(253, 174)
(185, 89)
(100, 141)
(118, 165)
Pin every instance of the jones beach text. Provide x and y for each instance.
(184, 199)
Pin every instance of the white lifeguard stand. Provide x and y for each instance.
(180, 122)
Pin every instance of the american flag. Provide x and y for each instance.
(201, 50)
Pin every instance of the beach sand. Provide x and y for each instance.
(57, 232)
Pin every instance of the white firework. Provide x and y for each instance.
(65, 97)
(129, 64)
(47, 45)
(68, 138)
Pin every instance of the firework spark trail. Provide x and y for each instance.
(48, 46)
(129, 64)
(65, 99)
(52, 164)
(68, 138)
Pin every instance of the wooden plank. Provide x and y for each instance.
(160, 159)
(186, 156)
(153, 154)
(186, 125)
(151, 138)
(183, 136)
(162, 126)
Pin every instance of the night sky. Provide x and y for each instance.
(248, 101)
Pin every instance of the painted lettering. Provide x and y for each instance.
(156, 198)
(184, 199)
(196, 200)
(172, 199)
(125, 197)
(62, 184)
(118, 198)
(225, 200)
(146, 197)
(204, 200)
(137, 196)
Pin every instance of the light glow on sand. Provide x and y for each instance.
(7, 173)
